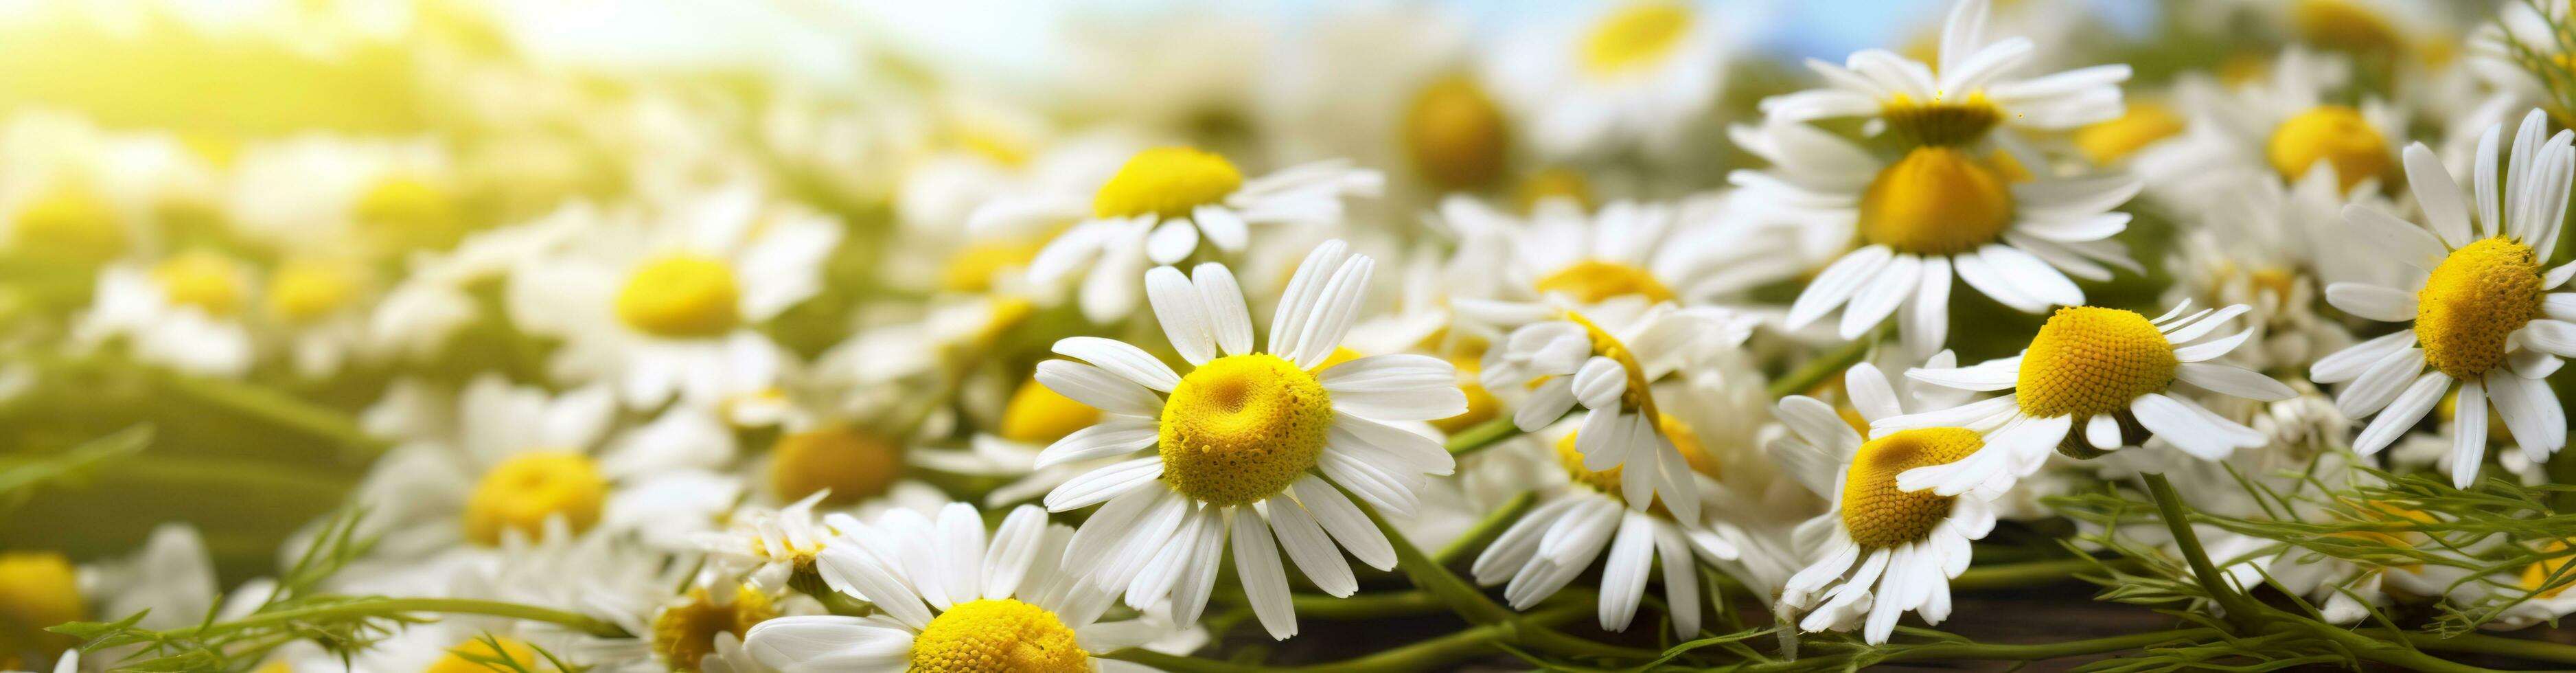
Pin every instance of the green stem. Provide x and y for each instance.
(1475, 607)
(2000, 652)
(1486, 530)
(1367, 606)
(1815, 371)
(2029, 573)
(276, 408)
(2535, 650)
(1483, 436)
(1425, 655)
(2240, 609)
(393, 606)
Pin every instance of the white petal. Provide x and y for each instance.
(2372, 301)
(1183, 313)
(1344, 520)
(2406, 242)
(2469, 434)
(2032, 277)
(1887, 289)
(1172, 242)
(1265, 583)
(2402, 413)
(1924, 324)
(1623, 577)
(1102, 484)
(2381, 383)
(2550, 336)
(2103, 432)
(1836, 284)
(1121, 358)
(1114, 436)
(1305, 290)
(2438, 195)
(2234, 380)
(1600, 382)
(1099, 389)
(2345, 365)
(1306, 544)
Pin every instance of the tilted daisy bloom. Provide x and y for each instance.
(952, 599)
(1937, 211)
(665, 306)
(2093, 379)
(1970, 91)
(1155, 210)
(2287, 124)
(185, 311)
(1605, 359)
(1634, 77)
(2274, 248)
(1880, 551)
(1582, 512)
(1685, 251)
(2484, 320)
(1245, 442)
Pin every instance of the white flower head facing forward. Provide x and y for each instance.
(1155, 210)
(2485, 320)
(1935, 211)
(1881, 550)
(1555, 542)
(1239, 442)
(1972, 90)
(1606, 362)
(950, 599)
(2093, 377)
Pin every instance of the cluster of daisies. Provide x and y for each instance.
(817, 356)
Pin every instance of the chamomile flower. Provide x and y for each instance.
(1937, 211)
(768, 547)
(1971, 91)
(1155, 210)
(75, 192)
(383, 196)
(1244, 442)
(2110, 371)
(2484, 320)
(2288, 124)
(1880, 551)
(951, 599)
(1034, 418)
(2538, 592)
(1566, 532)
(185, 311)
(1684, 251)
(1637, 75)
(2273, 249)
(665, 307)
(422, 311)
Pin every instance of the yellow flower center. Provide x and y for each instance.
(1941, 122)
(2336, 135)
(2478, 296)
(2277, 281)
(997, 635)
(1037, 414)
(302, 290)
(1456, 134)
(2143, 124)
(1880, 515)
(681, 296)
(1553, 183)
(74, 223)
(1935, 201)
(1605, 481)
(972, 269)
(1593, 280)
(1481, 404)
(1166, 182)
(857, 466)
(37, 590)
(2539, 574)
(2088, 360)
(1242, 428)
(2344, 25)
(522, 492)
(409, 212)
(204, 279)
(685, 634)
(1635, 37)
(478, 656)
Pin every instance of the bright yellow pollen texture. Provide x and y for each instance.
(681, 296)
(203, 279)
(856, 465)
(478, 656)
(2478, 296)
(1039, 415)
(685, 634)
(1242, 428)
(73, 223)
(409, 212)
(1167, 182)
(523, 491)
(37, 590)
(1635, 37)
(1940, 122)
(1481, 407)
(2336, 135)
(1456, 135)
(997, 635)
(1935, 201)
(1605, 481)
(2144, 124)
(2342, 24)
(2537, 575)
(1879, 515)
(1592, 280)
(303, 290)
(2089, 360)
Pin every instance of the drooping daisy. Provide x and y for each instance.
(1967, 94)
(1155, 210)
(1244, 443)
(2484, 320)
(1566, 532)
(1880, 550)
(1936, 211)
(952, 600)
(665, 306)
(185, 312)
(1637, 75)
(1605, 358)
(2093, 379)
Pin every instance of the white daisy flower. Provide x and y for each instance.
(415, 318)
(1157, 208)
(381, 196)
(1034, 418)
(1936, 211)
(2540, 588)
(2274, 249)
(953, 600)
(666, 307)
(318, 306)
(2484, 320)
(1244, 442)
(185, 311)
(1635, 75)
(1880, 551)
(1969, 92)
(1685, 251)
(2109, 371)
(2286, 124)
(74, 192)
(1582, 512)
